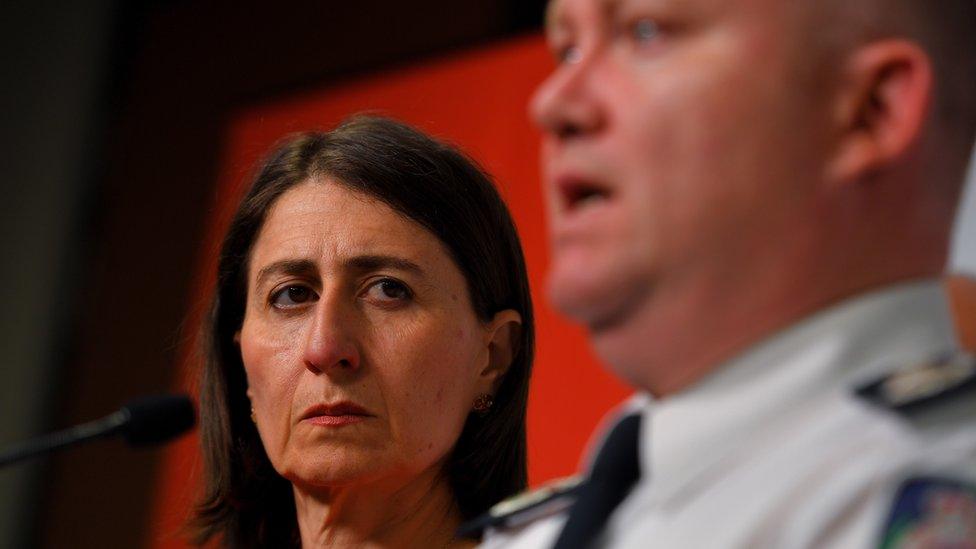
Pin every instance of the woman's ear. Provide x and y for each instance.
(880, 111)
(502, 339)
(237, 338)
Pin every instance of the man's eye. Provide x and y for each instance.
(643, 30)
(389, 290)
(292, 296)
(568, 55)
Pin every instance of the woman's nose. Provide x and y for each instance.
(563, 106)
(330, 344)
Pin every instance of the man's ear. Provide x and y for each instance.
(884, 99)
(502, 338)
(237, 338)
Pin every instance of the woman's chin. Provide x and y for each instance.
(330, 476)
(377, 472)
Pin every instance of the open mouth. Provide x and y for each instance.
(579, 193)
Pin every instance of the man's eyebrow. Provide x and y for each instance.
(285, 266)
(556, 18)
(375, 262)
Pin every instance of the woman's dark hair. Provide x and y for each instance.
(245, 502)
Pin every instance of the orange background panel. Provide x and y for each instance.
(476, 100)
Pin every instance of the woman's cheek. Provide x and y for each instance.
(271, 382)
(421, 394)
(267, 349)
(258, 355)
(450, 383)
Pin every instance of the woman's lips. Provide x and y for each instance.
(335, 415)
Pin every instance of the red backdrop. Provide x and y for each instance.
(477, 100)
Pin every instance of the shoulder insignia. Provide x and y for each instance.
(548, 499)
(923, 383)
(932, 512)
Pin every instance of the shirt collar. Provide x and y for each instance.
(842, 346)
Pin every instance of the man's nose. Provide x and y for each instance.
(564, 105)
(330, 343)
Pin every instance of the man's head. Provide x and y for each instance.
(716, 169)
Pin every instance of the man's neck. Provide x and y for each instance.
(688, 330)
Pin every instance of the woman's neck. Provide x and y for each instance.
(420, 513)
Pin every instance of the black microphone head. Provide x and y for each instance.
(157, 419)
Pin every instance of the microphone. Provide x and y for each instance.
(141, 422)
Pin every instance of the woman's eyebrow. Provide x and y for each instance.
(376, 262)
(286, 267)
(360, 263)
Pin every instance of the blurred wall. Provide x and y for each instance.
(53, 62)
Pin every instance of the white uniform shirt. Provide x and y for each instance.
(776, 450)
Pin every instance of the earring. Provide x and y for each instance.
(483, 404)
(254, 418)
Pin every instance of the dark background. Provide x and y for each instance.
(113, 117)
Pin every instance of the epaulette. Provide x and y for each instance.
(923, 384)
(548, 499)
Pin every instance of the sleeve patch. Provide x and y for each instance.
(932, 512)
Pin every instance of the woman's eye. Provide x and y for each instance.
(389, 290)
(292, 296)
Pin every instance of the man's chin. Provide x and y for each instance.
(586, 299)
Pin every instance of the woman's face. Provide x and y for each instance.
(362, 351)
